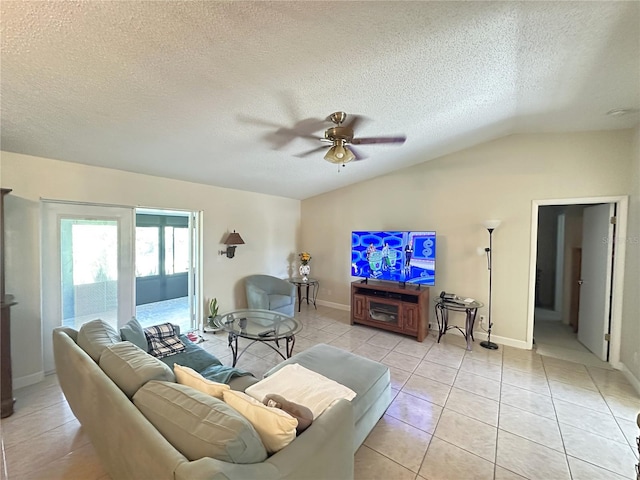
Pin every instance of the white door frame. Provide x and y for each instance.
(622, 208)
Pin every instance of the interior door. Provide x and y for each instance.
(574, 305)
(595, 292)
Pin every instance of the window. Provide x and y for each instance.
(176, 250)
(147, 251)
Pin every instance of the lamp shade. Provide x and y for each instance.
(234, 239)
(339, 154)
(491, 224)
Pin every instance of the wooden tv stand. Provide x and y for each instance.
(391, 307)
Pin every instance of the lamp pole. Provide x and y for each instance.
(488, 343)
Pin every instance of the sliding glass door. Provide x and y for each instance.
(87, 267)
(97, 263)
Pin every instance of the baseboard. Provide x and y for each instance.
(337, 306)
(635, 382)
(21, 382)
(509, 342)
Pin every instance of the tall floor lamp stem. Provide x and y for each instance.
(488, 343)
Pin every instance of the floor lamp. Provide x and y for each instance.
(490, 225)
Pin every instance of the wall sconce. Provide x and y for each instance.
(232, 241)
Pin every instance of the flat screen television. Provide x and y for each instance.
(397, 256)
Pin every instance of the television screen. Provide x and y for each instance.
(397, 256)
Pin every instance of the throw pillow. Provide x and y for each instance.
(188, 376)
(163, 340)
(199, 425)
(276, 428)
(299, 412)
(132, 332)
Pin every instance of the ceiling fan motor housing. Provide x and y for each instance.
(339, 133)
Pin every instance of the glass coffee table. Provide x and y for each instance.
(262, 326)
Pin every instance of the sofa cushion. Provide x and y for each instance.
(276, 428)
(133, 332)
(163, 340)
(367, 378)
(130, 368)
(199, 425)
(240, 384)
(188, 376)
(193, 356)
(302, 385)
(95, 336)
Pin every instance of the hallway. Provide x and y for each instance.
(553, 338)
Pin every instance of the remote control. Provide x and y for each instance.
(266, 333)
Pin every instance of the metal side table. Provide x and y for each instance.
(443, 307)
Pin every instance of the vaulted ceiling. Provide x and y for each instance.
(209, 91)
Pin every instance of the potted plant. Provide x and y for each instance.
(213, 313)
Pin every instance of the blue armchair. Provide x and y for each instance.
(270, 293)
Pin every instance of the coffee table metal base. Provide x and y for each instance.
(233, 344)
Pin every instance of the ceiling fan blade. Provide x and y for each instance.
(358, 153)
(258, 122)
(309, 152)
(373, 140)
(353, 121)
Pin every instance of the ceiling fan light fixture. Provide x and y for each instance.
(339, 154)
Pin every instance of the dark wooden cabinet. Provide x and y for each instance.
(410, 317)
(358, 306)
(391, 307)
(6, 381)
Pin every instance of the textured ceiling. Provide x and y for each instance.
(198, 90)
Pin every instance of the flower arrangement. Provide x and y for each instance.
(305, 258)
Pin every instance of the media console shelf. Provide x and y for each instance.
(391, 307)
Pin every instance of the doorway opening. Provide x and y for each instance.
(166, 256)
(577, 270)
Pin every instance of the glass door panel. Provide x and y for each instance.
(89, 271)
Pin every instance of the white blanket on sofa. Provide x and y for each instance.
(303, 386)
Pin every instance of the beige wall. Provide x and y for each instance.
(453, 195)
(630, 348)
(269, 225)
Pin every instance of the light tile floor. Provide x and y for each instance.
(506, 414)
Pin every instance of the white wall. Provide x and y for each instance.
(269, 225)
(454, 195)
(630, 348)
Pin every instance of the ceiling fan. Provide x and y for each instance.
(341, 139)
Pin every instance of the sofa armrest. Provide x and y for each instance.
(257, 298)
(324, 450)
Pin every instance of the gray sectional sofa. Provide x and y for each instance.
(109, 383)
